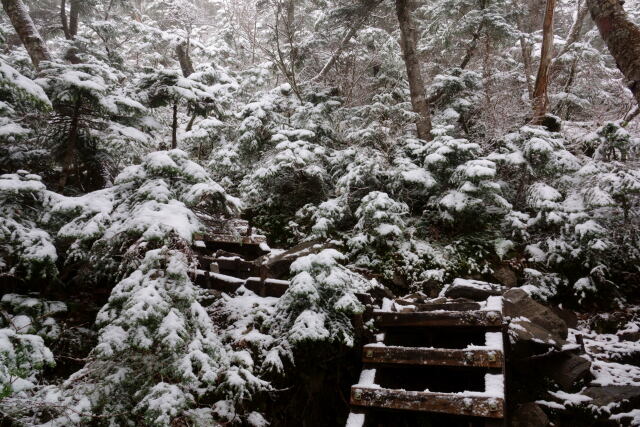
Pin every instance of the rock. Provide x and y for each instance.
(471, 289)
(505, 275)
(534, 328)
(517, 303)
(278, 265)
(529, 415)
(569, 371)
(569, 317)
(528, 339)
(623, 397)
(552, 123)
(631, 332)
(609, 323)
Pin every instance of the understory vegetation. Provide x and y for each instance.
(123, 121)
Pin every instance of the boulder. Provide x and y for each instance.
(569, 317)
(609, 323)
(529, 415)
(517, 303)
(631, 332)
(534, 328)
(623, 397)
(505, 275)
(472, 289)
(569, 371)
(528, 339)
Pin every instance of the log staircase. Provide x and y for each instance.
(436, 363)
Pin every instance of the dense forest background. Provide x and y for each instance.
(421, 141)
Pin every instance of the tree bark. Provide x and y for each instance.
(74, 15)
(472, 47)
(182, 51)
(72, 146)
(26, 30)
(63, 19)
(622, 38)
(540, 96)
(474, 41)
(408, 41)
(174, 127)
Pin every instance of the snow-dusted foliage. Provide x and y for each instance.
(22, 357)
(300, 117)
(317, 307)
(156, 349)
(150, 205)
(26, 249)
(27, 325)
(19, 95)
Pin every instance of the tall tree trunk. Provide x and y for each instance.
(74, 15)
(474, 41)
(174, 126)
(72, 146)
(540, 96)
(622, 37)
(526, 61)
(26, 30)
(182, 51)
(408, 41)
(63, 19)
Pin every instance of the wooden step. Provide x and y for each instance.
(446, 306)
(385, 319)
(266, 288)
(222, 237)
(468, 404)
(234, 265)
(486, 358)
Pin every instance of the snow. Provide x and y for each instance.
(493, 303)
(14, 78)
(388, 229)
(632, 417)
(13, 129)
(612, 373)
(494, 385)
(493, 340)
(355, 420)
(570, 398)
(368, 379)
(419, 176)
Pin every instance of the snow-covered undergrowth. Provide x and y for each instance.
(265, 337)
(159, 356)
(139, 231)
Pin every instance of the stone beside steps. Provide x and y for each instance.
(443, 360)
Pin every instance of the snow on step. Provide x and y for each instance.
(355, 420)
(487, 318)
(472, 357)
(368, 378)
(481, 404)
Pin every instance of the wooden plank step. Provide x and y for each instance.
(268, 287)
(445, 306)
(236, 264)
(254, 239)
(438, 318)
(486, 358)
(468, 404)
